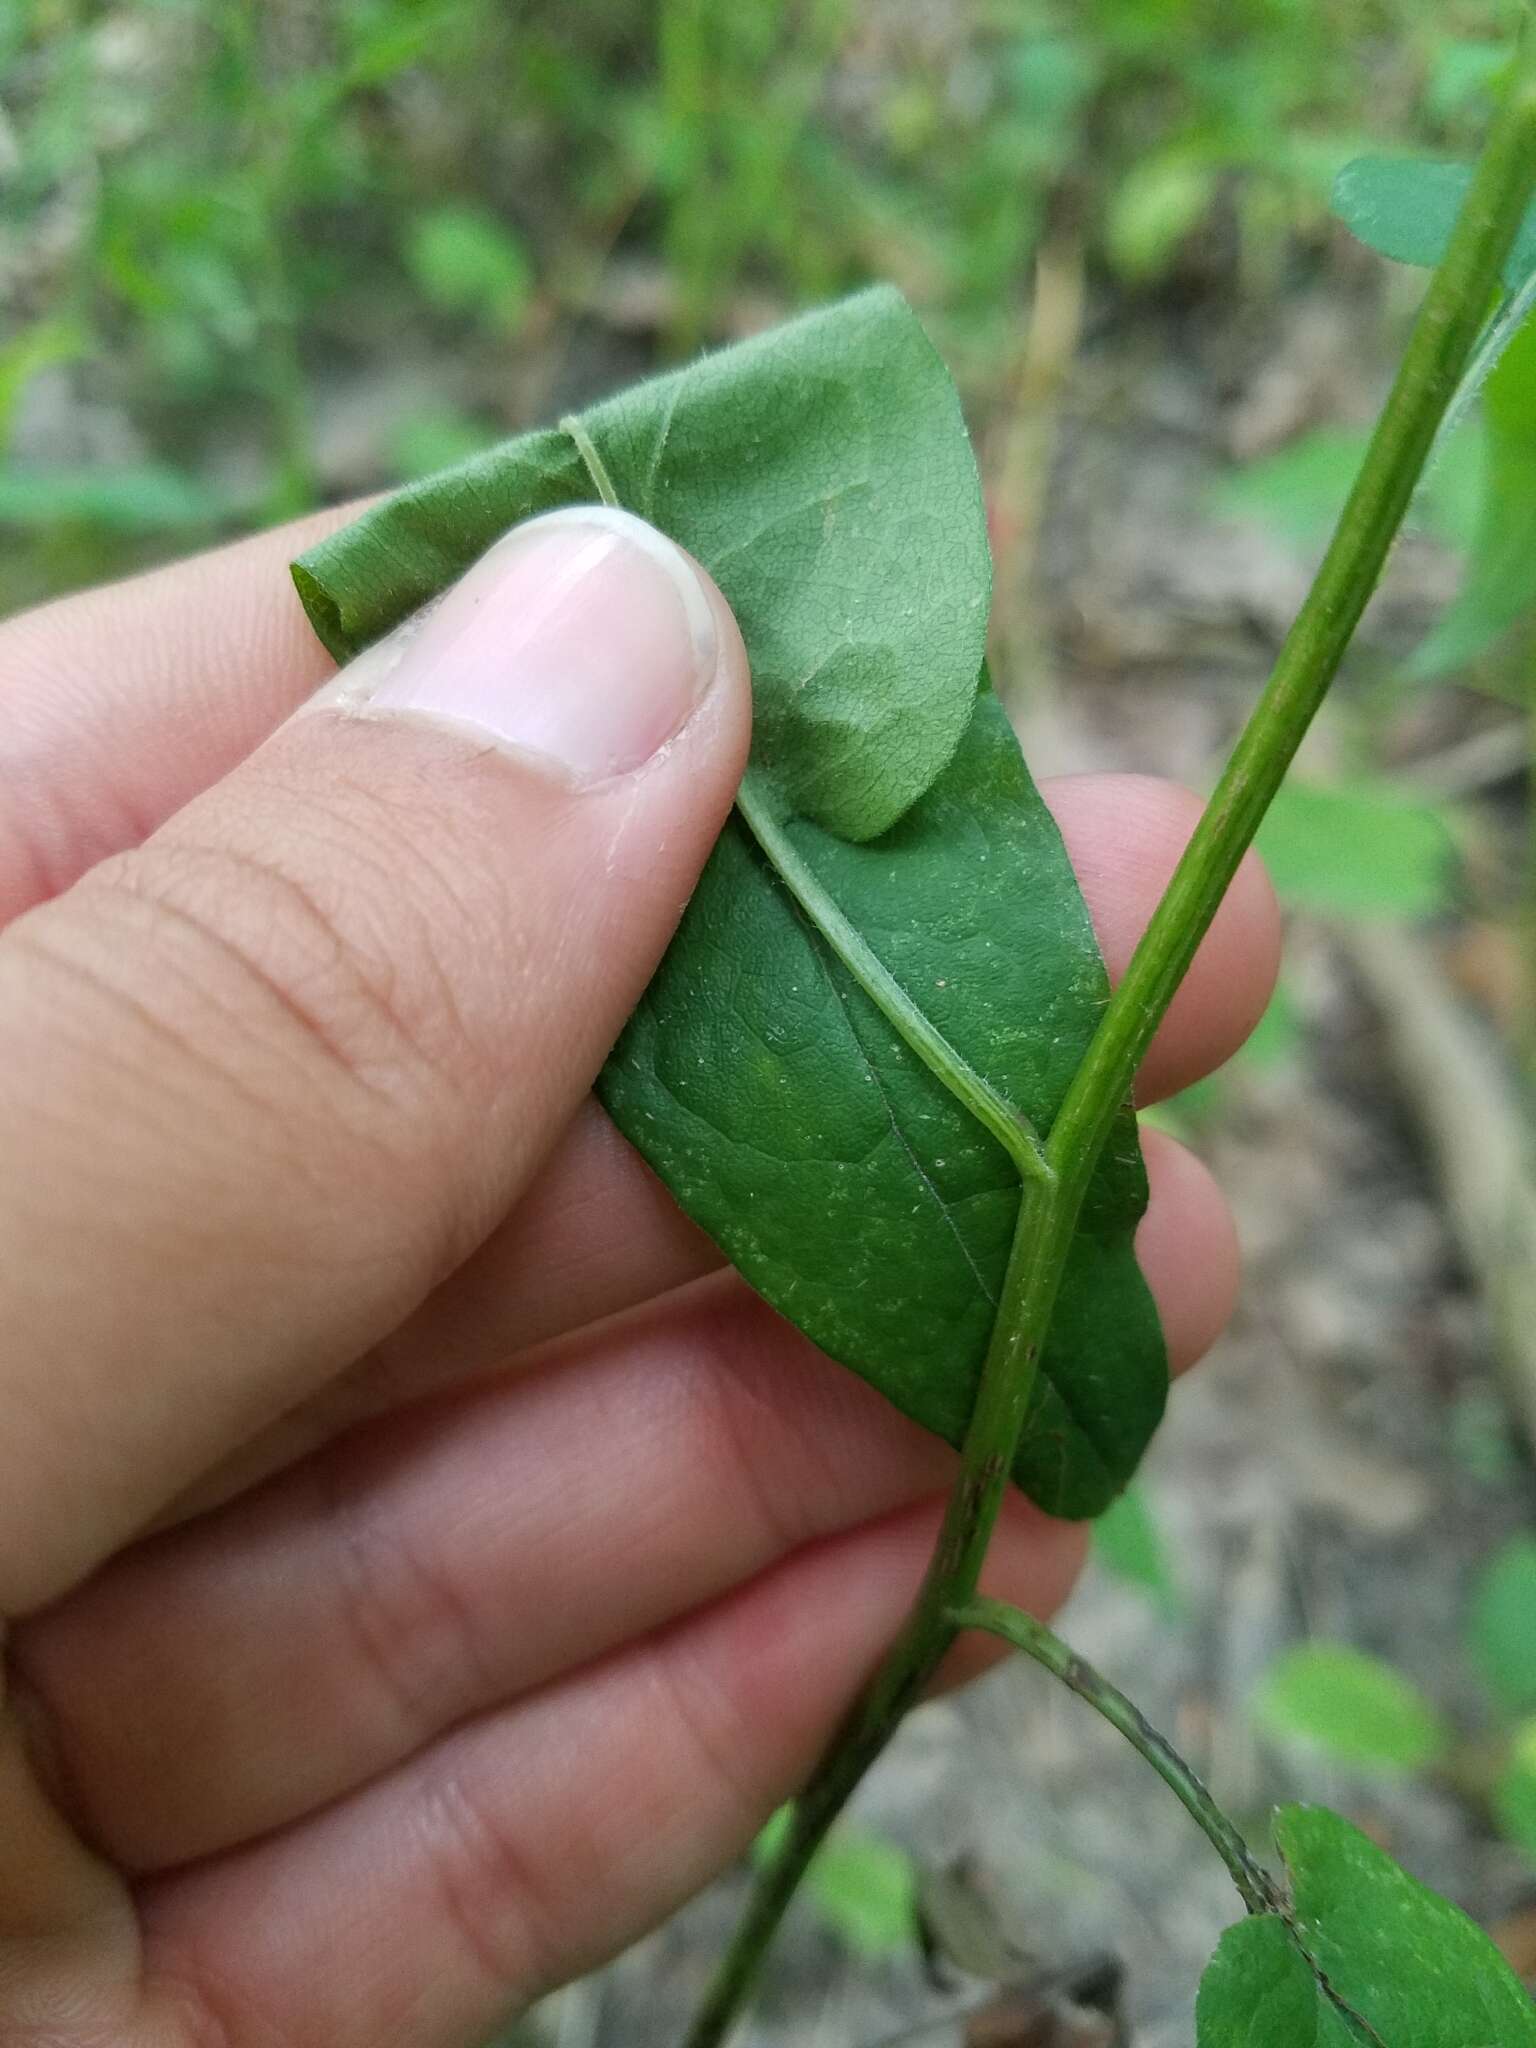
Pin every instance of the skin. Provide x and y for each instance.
(423, 1566)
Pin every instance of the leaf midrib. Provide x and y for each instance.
(1012, 1130)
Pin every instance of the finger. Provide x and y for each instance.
(536, 1841)
(120, 705)
(548, 1271)
(232, 1675)
(1125, 834)
(281, 1069)
(598, 1235)
(1187, 1247)
(228, 1677)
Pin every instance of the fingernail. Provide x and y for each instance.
(584, 638)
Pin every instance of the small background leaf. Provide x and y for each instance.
(1357, 850)
(1278, 1037)
(1462, 72)
(463, 260)
(1299, 491)
(36, 347)
(1128, 1543)
(1352, 1706)
(150, 498)
(1155, 206)
(864, 1886)
(1514, 1792)
(1405, 208)
(1501, 1625)
(421, 442)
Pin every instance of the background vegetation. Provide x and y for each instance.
(256, 258)
(269, 252)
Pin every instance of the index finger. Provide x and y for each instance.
(121, 704)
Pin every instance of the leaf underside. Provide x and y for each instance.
(823, 475)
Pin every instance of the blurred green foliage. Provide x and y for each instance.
(1501, 1626)
(217, 217)
(1353, 1707)
(1129, 1544)
(1359, 849)
(1363, 1713)
(864, 1887)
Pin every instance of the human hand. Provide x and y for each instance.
(506, 1561)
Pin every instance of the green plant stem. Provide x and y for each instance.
(1007, 1380)
(1255, 1886)
(1437, 355)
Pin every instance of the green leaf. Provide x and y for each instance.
(429, 440)
(1155, 206)
(1259, 1991)
(1501, 1625)
(1409, 1962)
(1299, 490)
(863, 1886)
(1405, 208)
(464, 261)
(1462, 73)
(889, 859)
(1357, 850)
(1278, 1037)
(1352, 1706)
(1397, 1957)
(1402, 207)
(1514, 1792)
(1128, 1543)
(1500, 586)
(868, 1891)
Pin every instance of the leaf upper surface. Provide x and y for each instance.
(1408, 1964)
(839, 1174)
(1258, 1992)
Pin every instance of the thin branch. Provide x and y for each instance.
(1255, 1886)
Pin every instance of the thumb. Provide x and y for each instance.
(274, 1074)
